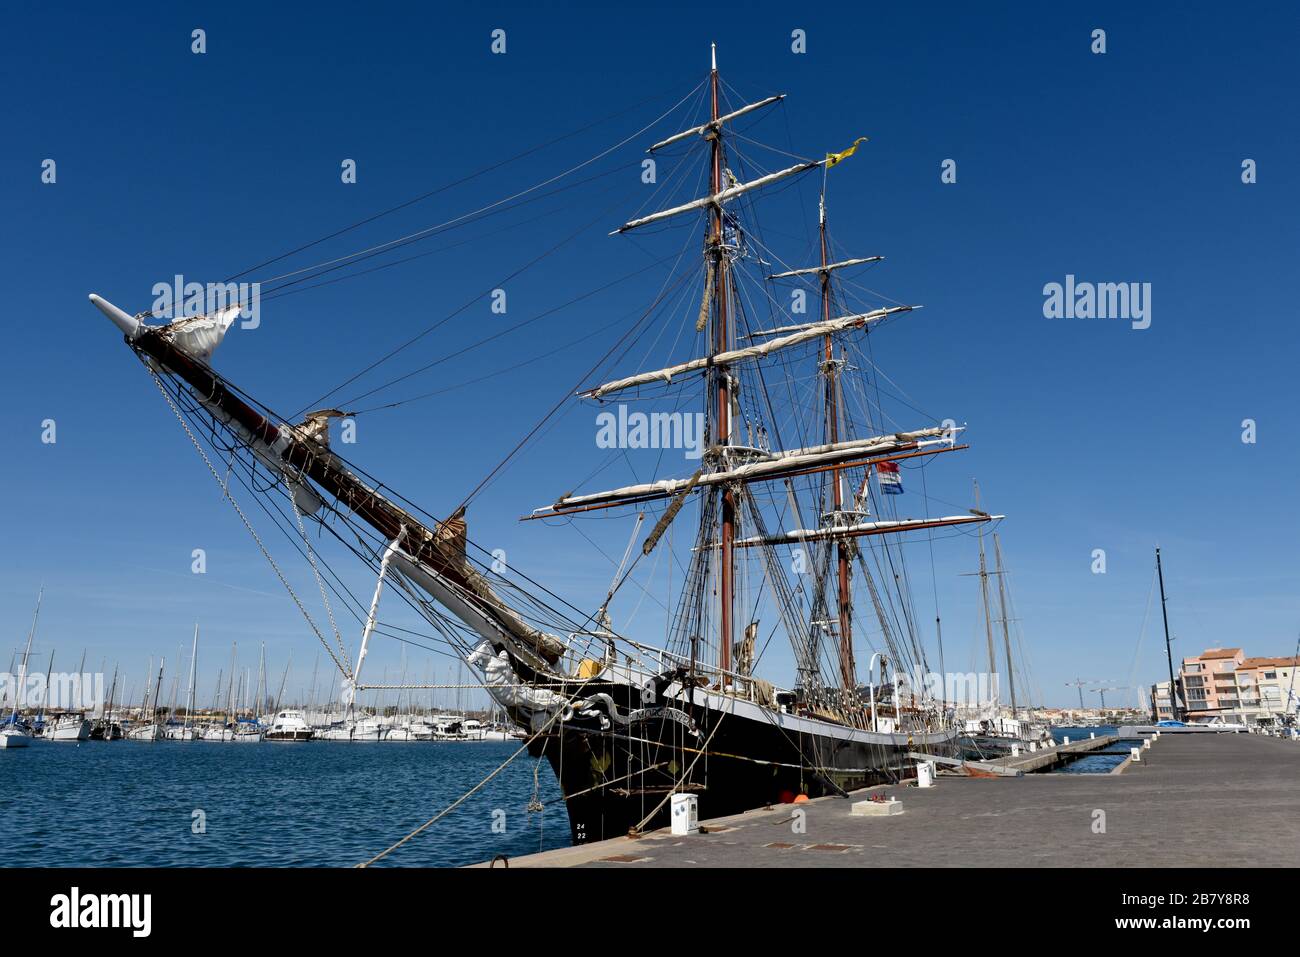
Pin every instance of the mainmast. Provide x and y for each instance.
(843, 547)
(716, 254)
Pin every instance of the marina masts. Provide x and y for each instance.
(1169, 651)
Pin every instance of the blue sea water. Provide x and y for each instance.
(127, 803)
(1102, 762)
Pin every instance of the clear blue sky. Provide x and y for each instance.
(1087, 434)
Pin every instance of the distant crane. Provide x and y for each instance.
(1079, 683)
(1104, 688)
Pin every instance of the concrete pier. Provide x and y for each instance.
(1206, 800)
(1028, 761)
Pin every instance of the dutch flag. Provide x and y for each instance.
(891, 482)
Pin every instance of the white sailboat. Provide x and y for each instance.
(15, 734)
(152, 730)
(67, 727)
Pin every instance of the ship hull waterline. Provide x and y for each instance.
(745, 756)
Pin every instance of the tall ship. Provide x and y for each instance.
(788, 527)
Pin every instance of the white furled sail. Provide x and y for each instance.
(821, 270)
(774, 463)
(715, 124)
(862, 528)
(798, 334)
(199, 336)
(720, 197)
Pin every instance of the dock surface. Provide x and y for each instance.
(1213, 800)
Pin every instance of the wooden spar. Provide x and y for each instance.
(811, 470)
(722, 422)
(716, 124)
(825, 267)
(323, 468)
(848, 678)
(717, 195)
(907, 525)
(791, 336)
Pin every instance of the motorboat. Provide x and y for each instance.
(289, 725)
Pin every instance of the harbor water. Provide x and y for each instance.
(1101, 762)
(199, 804)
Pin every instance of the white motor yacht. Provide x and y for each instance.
(290, 725)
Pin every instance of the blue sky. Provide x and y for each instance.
(1122, 167)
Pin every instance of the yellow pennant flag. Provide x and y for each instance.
(833, 158)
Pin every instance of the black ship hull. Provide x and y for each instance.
(734, 755)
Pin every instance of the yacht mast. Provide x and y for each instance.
(20, 691)
(984, 592)
(189, 694)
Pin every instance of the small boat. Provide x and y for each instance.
(180, 732)
(106, 730)
(367, 729)
(220, 734)
(145, 732)
(67, 727)
(289, 725)
(16, 733)
(247, 731)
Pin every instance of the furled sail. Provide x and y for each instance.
(797, 334)
(862, 528)
(829, 267)
(718, 198)
(766, 466)
(715, 124)
(199, 336)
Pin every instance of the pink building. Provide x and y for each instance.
(1223, 682)
(1210, 682)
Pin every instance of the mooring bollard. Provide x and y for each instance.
(1135, 754)
(1146, 744)
(1033, 745)
(1091, 735)
(1065, 741)
(1015, 750)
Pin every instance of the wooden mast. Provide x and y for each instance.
(722, 419)
(984, 592)
(1006, 630)
(848, 678)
